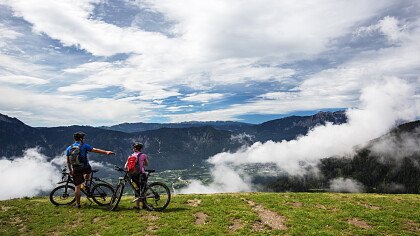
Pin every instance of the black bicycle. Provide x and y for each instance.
(97, 189)
(154, 196)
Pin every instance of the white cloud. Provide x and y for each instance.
(346, 185)
(7, 33)
(225, 179)
(383, 104)
(53, 109)
(69, 22)
(21, 79)
(220, 41)
(332, 87)
(389, 26)
(26, 176)
(202, 97)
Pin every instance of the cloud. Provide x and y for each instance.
(215, 46)
(389, 26)
(25, 80)
(6, 33)
(397, 147)
(330, 87)
(346, 186)
(27, 176)
(383, 104)
(52, 109)
(70, 23)
(202, 97)
(225, 179)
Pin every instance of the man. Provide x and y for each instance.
(135, 166)
(78, 163)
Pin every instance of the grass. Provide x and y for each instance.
(305, 214)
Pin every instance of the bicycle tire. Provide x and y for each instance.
(157, 196)
(102, 194)
(116, 197)
(65, 195)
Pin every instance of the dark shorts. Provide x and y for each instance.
(139, 180)
(79, 172)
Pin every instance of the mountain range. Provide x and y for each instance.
(170, 146)
(389, 163)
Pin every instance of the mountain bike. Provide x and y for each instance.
(97, 189)
(154, 196)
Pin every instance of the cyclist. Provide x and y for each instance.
(135, 166)
(78, 163)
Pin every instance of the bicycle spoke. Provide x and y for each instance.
(157, 196)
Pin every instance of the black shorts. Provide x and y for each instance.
(79, 172)
(139, 180)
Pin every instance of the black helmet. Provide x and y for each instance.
(138, 146)
(79, 136)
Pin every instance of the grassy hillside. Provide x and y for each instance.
(223, 214)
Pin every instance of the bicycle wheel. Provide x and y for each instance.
(116, 197)
(157, 196)
(102, 194)
(63, 195)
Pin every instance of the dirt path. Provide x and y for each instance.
(270, 218)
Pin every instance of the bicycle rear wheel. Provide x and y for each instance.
(116, 197)
(63, 195)
(157, 196)
(102, 194)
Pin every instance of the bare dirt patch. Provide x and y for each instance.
(320, 206)
(359, 223)
(235, 225)
(153, 218)
(370, 206)
(200, 218)
(334, 209)
(194, 202)
(258, 226)
(296, 204)
(96, 219)
(5, 208)
(270, 218)
(152, 228)
(412, 226)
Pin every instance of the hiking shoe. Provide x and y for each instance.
(76, 206)
(136, 208)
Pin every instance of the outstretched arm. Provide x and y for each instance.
(100, 151)
(69, 167)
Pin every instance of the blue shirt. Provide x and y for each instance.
(83, 151)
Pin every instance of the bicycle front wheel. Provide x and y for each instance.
(102, 194)
(62, 195)
(157, 196)
(116, 197)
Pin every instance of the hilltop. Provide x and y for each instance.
(223, 214)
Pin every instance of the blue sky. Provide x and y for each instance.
(103, 62)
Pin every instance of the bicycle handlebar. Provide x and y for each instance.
(117, 168)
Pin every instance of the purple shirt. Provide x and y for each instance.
(141, 160)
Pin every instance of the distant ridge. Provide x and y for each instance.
(174, 145)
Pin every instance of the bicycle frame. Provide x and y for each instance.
(124, 179)
(68, 180)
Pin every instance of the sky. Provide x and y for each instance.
(103, 62)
